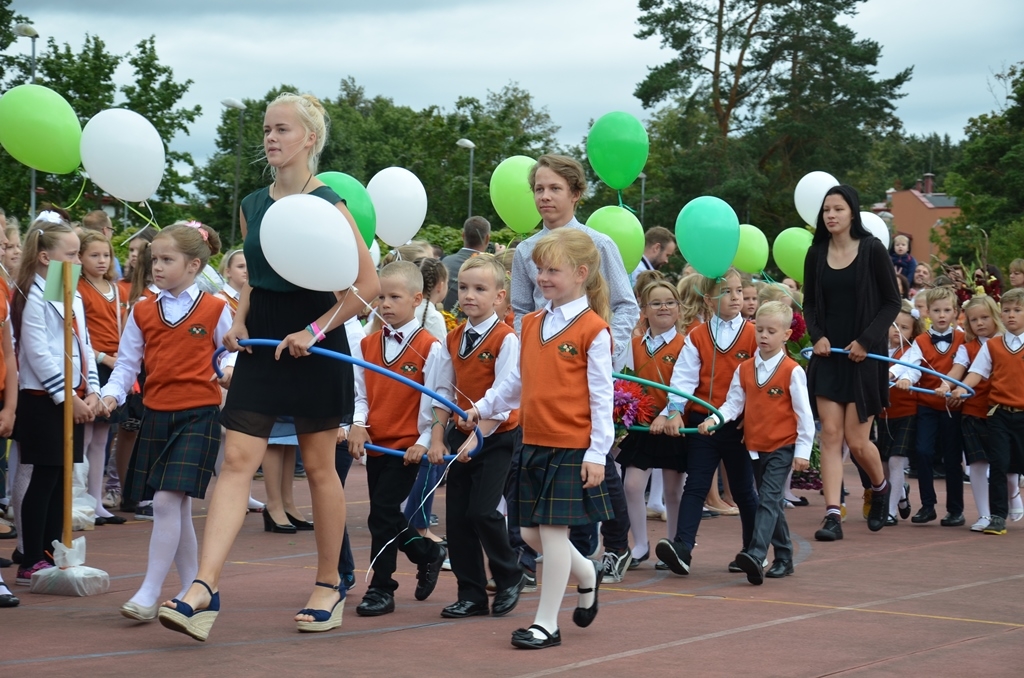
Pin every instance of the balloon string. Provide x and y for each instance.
(624, 205)
(785, 288)
(79, 197)
(150, 220)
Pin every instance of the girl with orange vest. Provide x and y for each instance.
(563, 389)
(983, 324)
(710, 356)
(176, 334)
(102, 301)
(897, 425)
(653, 356)
(235, 275)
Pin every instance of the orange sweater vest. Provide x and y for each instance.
(1007, 375)
(474, 374)
(901, 403)
(940, 362)
(774, 423)
(100, 316)
(178, 357)
(716, 370)
(555, 406)
(393, 417)
(657, 366)
(977, 406)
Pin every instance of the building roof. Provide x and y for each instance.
(935, 200)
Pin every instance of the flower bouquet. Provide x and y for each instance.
(633, 406)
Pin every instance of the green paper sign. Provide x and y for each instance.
(54, 279)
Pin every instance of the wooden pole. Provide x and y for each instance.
(69, 417)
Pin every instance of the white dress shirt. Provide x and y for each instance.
(652, 343)
(131, 349)
(686, 373)
(506, 395)
(736, 400)
(644, 265)
(392, 349)
(983, 361)
(914, 356)
(505, 363)
(431, 319)
(905, 372)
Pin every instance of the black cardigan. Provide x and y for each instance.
(878, 304)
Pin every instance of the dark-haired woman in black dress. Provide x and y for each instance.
(850, 300)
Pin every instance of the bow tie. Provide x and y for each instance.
(392, 334)
(942, 338)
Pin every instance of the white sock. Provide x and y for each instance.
(896, 481)
(789, 496)
(560, 559)
(979, 487)
(163, 545)
(673, 495)
(18, 495)
(95, 444)
(655, 500)
(186, 558)
(633, 485)
(12, 469)
(1013, 492)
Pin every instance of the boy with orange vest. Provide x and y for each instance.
(392, 416)
(773, 386)
(1001, 361)
(478, 354)
(938, 417)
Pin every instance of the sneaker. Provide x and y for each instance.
(25, 573)
(447, 565)
(842, 512)
(675, 554)
(867, 503)
(529, 582)
(144, 512)
(1015, 514)
(349, 580)
(879, 509)
(981, 524)
(112, 498)
(996, 525)
(904, 505)
(615, 566)
(434, 522)
(831, 528)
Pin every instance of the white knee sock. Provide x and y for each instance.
(186, 558)
(673, 495)
(896, 481)
(655, 500)
(12, 470)
(1013, 492)
(633, 486)
(163, 545)
(560, 559)
(979, 487)
(96, 452)
(18, 494)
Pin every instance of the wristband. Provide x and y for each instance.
(360, 424)
(100, 357)
(317, 332)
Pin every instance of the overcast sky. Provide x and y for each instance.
(577, 57)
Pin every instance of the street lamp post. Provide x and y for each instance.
(29, 31)
(240, 107)
(466, 143)
(643, 195)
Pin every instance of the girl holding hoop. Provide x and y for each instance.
(850, 300)
(267, 383)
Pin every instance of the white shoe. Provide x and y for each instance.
(981, 524)
(112, 499)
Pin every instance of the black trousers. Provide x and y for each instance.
(1006, 455)
(940, 431)
(389, 481)
(614, 532)
(42, 512)
(473, 519)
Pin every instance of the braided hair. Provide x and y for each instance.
(434, 273)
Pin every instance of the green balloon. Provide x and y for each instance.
(357, 199)
(708, 234)
(624, 228)
(790, 250)
(752, 253)
(511, 194)
(39, 128)
(617, 148)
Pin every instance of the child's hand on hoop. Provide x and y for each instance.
(904, 384)
(414, 455)
(358, 436)
(472, 418)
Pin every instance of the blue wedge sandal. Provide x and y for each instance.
(322, 619)
(196, 623)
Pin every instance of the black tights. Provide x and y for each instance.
(42, 512)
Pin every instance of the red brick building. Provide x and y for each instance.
(919, 211)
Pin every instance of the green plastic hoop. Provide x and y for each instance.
(692, 398)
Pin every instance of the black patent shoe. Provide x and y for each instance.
(890, 521)
(376, 602)
(302, 525)
(584, 616)
(464, 608)
(427, 574)
(925, 514)
(269, 525)
(506, 600)
(524, 639)
(780, 569)
(953, 520)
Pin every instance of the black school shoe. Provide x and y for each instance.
(953, 520)
(426, 575)
(464, 608)
(780, 569)
(376, 602)
(904, 505)
(584, 616)
(831, 528)
(925, 514)
(524, 639)
(752, 567)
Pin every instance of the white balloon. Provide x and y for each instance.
(123, 154)
(375, 252)
(400, 202)
(810, 193)
(310, 243)
(876, 226)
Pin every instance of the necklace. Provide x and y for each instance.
(301, 190)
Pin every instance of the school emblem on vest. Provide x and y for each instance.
(568, 350)
(409, 368)
(742, 355)
(486, 357)
(669, 358)
(197, 331)
(775, 392)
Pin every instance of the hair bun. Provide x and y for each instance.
(315, 102)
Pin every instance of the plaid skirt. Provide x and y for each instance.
(975, 435)
(643, 451)
(175, 452)
(551, 491)
(897, 437)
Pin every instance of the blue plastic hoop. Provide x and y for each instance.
(692, 398)
(809, 351)
(273, 343)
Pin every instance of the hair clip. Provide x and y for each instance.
(50, 217)
(915, 314)
(199, 226)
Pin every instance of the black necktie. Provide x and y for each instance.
(392, 334)
(471, 338)
(942, 338)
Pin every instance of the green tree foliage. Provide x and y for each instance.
(988, 181)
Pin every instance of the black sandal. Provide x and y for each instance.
(525, 640)
(584, 616)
